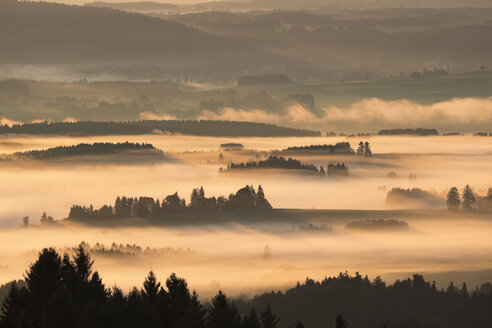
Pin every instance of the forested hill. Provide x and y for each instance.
(52, 33)
(189, 127)
(84, 149)
(409, 303)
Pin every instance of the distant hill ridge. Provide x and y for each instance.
(188, 127)
(53, 33)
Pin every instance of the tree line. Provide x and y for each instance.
(246, 198)
(417, 131)
(63, 291)
(98, 148)
(278, 162)
(340, 147)
(363, 303)
(190, 127)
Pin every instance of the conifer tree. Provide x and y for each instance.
(468, 199)
(453, 199)
(268, 319)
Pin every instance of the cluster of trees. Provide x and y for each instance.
(98, 148)
(120, 250)
(190, 127)
(142, 207)
(417, 131)
(468, 202)
(377, 224)
(409, 303)
(44, 220)
(364, 149)
(414, 197)
(429, 73)
(340, 147)
(338, 169)
(274, 162)
(231, 146)
(64, 291)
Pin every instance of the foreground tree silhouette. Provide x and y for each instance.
(222, 313)
(268, 319)
(251, 320)
(453, 199)
(63, 292)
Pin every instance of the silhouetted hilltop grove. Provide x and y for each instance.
(143, 207)
(338, 148)
(409, 303)
(88, 149)
(414, 197)
(190, 127)
(418, 132)
(274, 162)
(66, 292)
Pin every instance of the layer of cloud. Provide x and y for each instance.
(9, 122)
(154, 116)
(460, 114)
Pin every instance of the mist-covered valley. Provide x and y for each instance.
(245, 164)
(315, 241)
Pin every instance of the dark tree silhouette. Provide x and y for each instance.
(469, 199)
(251, 320)
(222, 313)
(142, 207)
(367, 149)
(268, 319)
(360, 149)
(453, 199)
(151, 288)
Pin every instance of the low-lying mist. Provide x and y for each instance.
(373, 114)
(437, 163)
(442, 245)
(233, 257)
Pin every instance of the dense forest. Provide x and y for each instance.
(417, 131)
(86, 149)
(143, 207)
(65, 291)
(338, 148)
(282, 163)
(190, 127)
(274, 162)
(408, 303)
